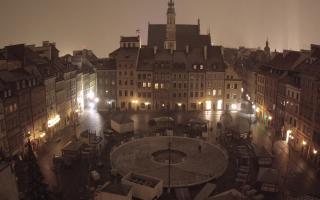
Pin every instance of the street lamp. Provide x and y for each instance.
(315, 151)
(90, 95)
(288, 136)
(257, 110)
(169, 167)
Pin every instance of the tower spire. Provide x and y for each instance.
(171, 9)
(170, 42)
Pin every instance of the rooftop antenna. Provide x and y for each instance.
(138, 32)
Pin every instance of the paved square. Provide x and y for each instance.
(191, 165)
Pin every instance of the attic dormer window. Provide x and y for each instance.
(201, 67)
(214, 66)
(194, 66)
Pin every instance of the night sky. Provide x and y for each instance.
(98, 24)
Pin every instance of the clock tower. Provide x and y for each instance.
(170, 42)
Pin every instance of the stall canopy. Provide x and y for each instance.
(269, 179)
(122, 124)
(264, 157)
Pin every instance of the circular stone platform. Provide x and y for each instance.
(149, 156)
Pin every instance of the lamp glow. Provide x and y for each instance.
(53, 121)
(90, 95)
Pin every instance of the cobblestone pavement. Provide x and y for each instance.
(296, 174)
(196, 167)
(301, 178)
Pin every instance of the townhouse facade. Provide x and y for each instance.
(41, 93)
(287, 99)
(106, 84)
(178, 69)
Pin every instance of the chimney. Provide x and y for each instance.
(155, 50)
(205, 52)
(45, 43)
(187, 49)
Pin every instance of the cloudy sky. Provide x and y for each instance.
(98, 24)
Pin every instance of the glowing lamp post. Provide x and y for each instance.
(52, 122)
(288, 136)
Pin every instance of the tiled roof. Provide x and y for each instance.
(125, 53)
(310, 68)
(130, 39)
(185, 35)
(64, 66)
(15, 75)
(146, 59)
(180, 60)
(315, 51)
(24, 54)
(284, 61)
(105, 64)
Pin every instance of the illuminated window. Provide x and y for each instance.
(219, 104)
(161, 85)
(144, 84)
(208, 105)
(214, 92)
(149, 84)
(156, 86)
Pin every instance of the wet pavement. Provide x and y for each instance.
(300, 178)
